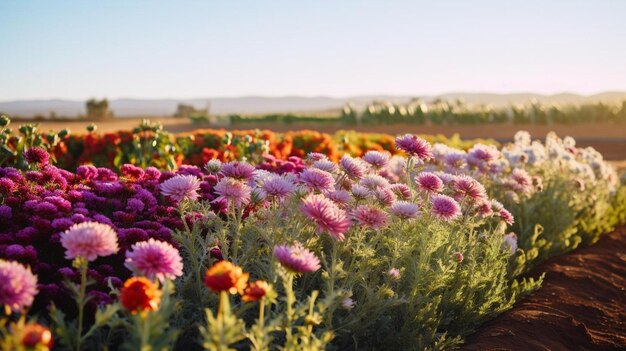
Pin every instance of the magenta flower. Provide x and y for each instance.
(238, 170)
(444, 207)
(89, 240)
(369, 216)
(37, 155)
(385, 196)
(340, 197)
(376, 159)
(326, 215)
(414, 146)
(405, 210)
(352, 167)
(317, 179)
(180, 187)
(154, 259)
(232, 190)
(506, 216)
(401, 190)
(19, 286)
(296, 258)
(429, 182)
(466, 186)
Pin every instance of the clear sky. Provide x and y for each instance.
(187, 49)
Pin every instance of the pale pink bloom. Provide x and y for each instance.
(401, 190)
(414, 146)
(326, 215)
(341, 197)
(446, 178)
(352, 167)
(277, 186)
(482, 153)
(374, 181)
(444, 207)
(180, 187)
(385, 196)
(466, 186)
(458, 257)
(509, 243)
(369, 216)
(89, 240)
(154, 259)
(360, 192)
(238, 170)
(347, 303)
(405, 210)
(376, 159)
(506, 216)
(296, 258)
(521, 181)
(454, 159)
(232, 190)
(317, 179)
(316, 156)
(429, 182)
(325, 165)
(19, 286)
(394, 273)
(484, 209)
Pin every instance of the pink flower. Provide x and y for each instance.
(414, 146)
(506, 216)
(385, 196)
(325, 165)
(521, 181)
(374, 181)
(484, 209)
(317, 179)
(405, 210)
(360, 192)
(444, 207)
(394, 273)
(509, 243)
(326, 215)
(180, 187)
(238, 170)
(369, 216)
(401, 190)
(89, 240)
(37, 155)
(429, 182)
(296, 258)
(316, 156)
(19, 286)
(466, 186)
(376, 159)
(154, 259)
(278, 186)
(458, 257)
(232, 190)
(352, 167)
(340, 197)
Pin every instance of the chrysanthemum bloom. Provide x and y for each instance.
(480, 153)
(89, 240)
(256, 291)
(277, 186)
(347, 303)
(315, 156)
(18, 287)
(225, 276)
(374, 181)
(509, 243)
(506, 216)
(352, 167)
(140, 294)
(454, 159)
(484, 209)
(154, 259)
(36, 336)
(414, 146)
(394, 273)
(458, 257)
(340, 197)
(521, 181)
(180, 187)
(317, 179)
(7, 186)
(429, 182)
(325, 165)
(444, 207)
(232, 190)
(37, 155)
(401, 190)
(466, 186)
(238, 170)
(376, 159)
(369, 216)
(326, 215)
(405, 210)
(213, 166)
(296, 258)
(360, 192)
(385, 196)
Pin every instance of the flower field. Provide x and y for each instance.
(220, 240)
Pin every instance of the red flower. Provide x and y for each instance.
(140, 294)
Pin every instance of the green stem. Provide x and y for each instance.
(81, 302)
(291, 299)
(144, 323)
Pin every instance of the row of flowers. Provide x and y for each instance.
(396, 252)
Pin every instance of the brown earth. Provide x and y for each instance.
(581, 305)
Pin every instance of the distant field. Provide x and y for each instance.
(609, 139)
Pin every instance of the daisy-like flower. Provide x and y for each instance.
(19, 285)
(326, 165)
(376, 159)
(352, 167)
(326, 215)
(296, 258)
(369, 216)
(37, 155)
(315, 156)
(414, 146)
(374, 181)
(317, 179)
(466, 186)
(405, 210)
(238, 170)
(506, 216)
(509, 243)
(89, 240)
(278, 186)
(232, 190)
(429, 182)
(180, 187)
(340, 197)
(140, 294)
(401, 190)
(444, 207)
(385, 196)
(154, 259)
(225, 276)
(360, 192)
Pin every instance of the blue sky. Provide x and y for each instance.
(186, 49)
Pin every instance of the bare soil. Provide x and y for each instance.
(581, 305)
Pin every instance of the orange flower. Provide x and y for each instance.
(225, 276)
(256, 291)
(140, 294)
(36, 335)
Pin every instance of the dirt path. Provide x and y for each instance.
(581, 305)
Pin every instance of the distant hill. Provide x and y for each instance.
(259, 104)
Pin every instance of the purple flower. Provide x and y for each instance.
(296, 258)
(326, 215)
(180, 187)
(377, 159)
(352, 167)
(444, 207)
(506, 216)
(394, 273)
(154, 259)
(87, 172)
(405, 210)
(317, 179)
(277, 186)
(7, 186)
(429, 182)
(414, 146)
(238, 170)
(5, 212)
(37, 155)
(232, 190)
(19, 285)
(325, 165)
